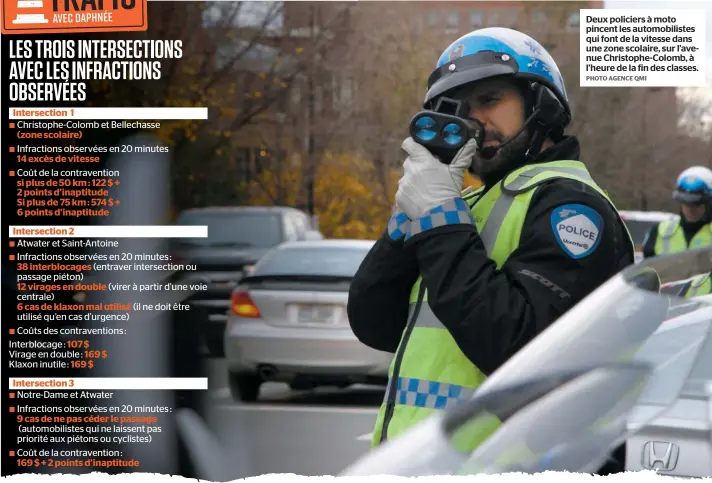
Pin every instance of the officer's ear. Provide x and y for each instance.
(526, 96)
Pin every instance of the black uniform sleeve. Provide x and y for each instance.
(649, 243)
(378, 298)
(492, 313)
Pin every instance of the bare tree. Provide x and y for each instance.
(630, 137)
(310, 113)
(393, 55)
(238, 61)
(696, 112)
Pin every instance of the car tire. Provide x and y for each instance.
(244, 387)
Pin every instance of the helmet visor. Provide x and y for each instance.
(466, 70)
(688, 197)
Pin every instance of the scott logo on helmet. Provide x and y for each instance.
(575, 230)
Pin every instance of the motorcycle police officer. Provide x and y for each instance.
(461, 280)
(693, 229)
(698, 286)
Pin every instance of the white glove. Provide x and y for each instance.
(428, 183)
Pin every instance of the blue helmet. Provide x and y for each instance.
(493, 52)
(694, 186)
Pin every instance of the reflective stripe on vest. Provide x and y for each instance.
(700, 285)
(504, 202)
(430, 372)
(671, 238)
(430, 394)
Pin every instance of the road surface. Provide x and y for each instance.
(309, 433)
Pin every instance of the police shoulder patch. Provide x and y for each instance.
(577, 229)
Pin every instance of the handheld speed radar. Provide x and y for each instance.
(446, 129)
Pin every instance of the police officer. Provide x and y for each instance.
(460, 281)
(698, 286)
(693, 229)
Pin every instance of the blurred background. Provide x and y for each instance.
(308, 105)
(309, 102)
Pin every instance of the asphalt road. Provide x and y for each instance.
(309, 433)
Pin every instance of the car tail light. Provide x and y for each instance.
(243, 305)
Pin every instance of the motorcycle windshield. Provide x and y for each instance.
(574, 427)
(612, 324)
(626, 338)
(567, 424)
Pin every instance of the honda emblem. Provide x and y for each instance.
(660, 455)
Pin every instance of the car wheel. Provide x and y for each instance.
(244, 387)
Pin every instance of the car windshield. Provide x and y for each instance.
(234, 229)
(642, 346)
(638, 229)
(328, 261)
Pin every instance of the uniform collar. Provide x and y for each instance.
(568, 149)
(691, 229)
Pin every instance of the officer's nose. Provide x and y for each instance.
(484, 122)
(479, 115)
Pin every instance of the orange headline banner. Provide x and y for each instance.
(72, 16)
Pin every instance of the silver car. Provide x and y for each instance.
(288, 321)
